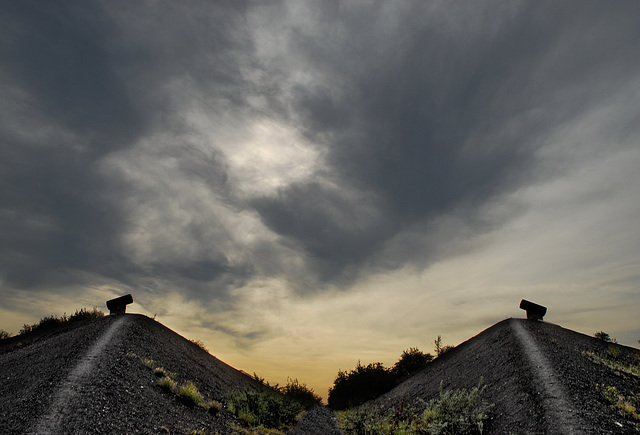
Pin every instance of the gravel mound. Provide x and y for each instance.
(48, 386)
(96, 377)
(517, 386)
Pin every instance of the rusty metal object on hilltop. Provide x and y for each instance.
(119, 305)
(534, 311)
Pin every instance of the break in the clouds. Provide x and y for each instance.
(241, 154)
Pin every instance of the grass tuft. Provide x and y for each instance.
(160, 372)
(188, 394)
(610, 360)
(628, 407)
(200, 344)
(213, 407)
(168, 384)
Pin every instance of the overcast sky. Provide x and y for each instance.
(303, 184)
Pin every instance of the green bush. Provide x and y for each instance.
(457, 412)
(4, 334)
(601, 335)
(440, 348)
(402, 419)
(300, 393)
(45, 323)
(363, 420)
(266, 408)
(360, 385)
(454, 412)
(368, 382)
(52, 322)
(84, 314)
(411, 361)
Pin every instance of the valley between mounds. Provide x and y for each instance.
(540, 378)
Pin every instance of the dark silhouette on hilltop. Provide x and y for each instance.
(534, 311)
(119, 305)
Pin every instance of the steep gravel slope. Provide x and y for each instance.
(34, 366)
(529, 398)
(60, 382)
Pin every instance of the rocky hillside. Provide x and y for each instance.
(97, 376)
(540, 378)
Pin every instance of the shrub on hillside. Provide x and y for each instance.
(440, 348)
(53, 321)
(368, 382)
(360, 385)
(266, 408)
(454, 412)
(457, 412)
(84, 314)
(4, 334)
(605, 337)
(301, 394)
(45, 323)
(411, 361)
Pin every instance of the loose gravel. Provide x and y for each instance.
(95, 377)
(553, 399)
(77, 379)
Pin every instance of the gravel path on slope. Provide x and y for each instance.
(494, 356)
(34, 365)
(564, 350)
(552, 395)
(123, 396)
(60, 408)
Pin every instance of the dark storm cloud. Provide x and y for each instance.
(418, 111)
(442, 114)
(66, 107)
(334, 228)
(59, 55)
(82, 80)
